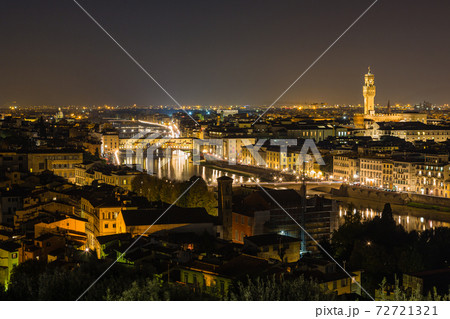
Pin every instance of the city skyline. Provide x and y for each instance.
(226, 151)
(74, 63)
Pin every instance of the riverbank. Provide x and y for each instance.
(399, 198)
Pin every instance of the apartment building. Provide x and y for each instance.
(86, 174)
(273, 157)
(427, 174)
(411, 131)
(282, 161)
(12, 161)
(100, 206)
(60, 162)
(432, 176)
(387, 175)
(371, 170)
(312, 131)
(403, 172)
(9, 258)
(110, 142)
(346, 168)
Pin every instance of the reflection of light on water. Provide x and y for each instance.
(204, 173)
(160, 175)
(180, 168)
(410, 223)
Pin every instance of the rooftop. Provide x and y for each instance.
(175, 215)
(9, 246)
(386, 126)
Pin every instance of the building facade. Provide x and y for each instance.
(346, 168)
(61, 163)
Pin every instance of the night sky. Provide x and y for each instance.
(222, 52)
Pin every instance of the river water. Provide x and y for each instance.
(182, 168)
(410, 218)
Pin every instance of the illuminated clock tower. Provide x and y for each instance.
(369, 93)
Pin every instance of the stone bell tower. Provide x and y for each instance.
(369, 90)
(225, 205)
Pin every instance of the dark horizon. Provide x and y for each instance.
(230, 53)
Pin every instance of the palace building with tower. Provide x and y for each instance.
(366, 120)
